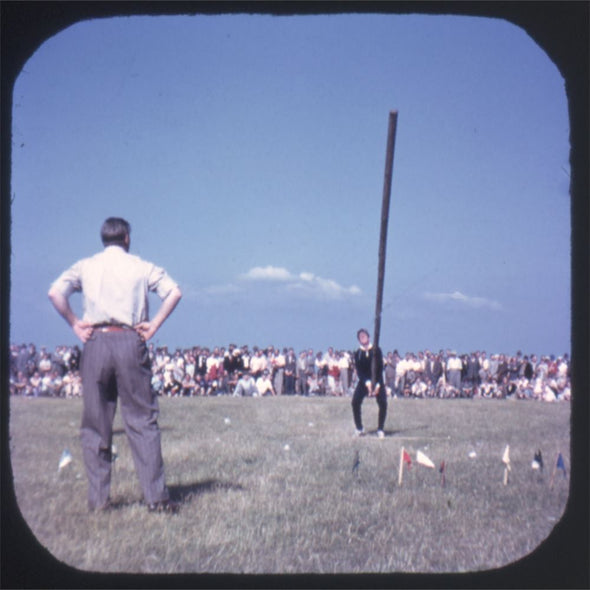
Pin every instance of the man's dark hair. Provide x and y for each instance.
(114, 231)
(361, 331)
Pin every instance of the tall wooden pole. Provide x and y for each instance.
(383, 236)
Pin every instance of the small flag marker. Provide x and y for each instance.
(538, 461)
(559, 464)
(506, 461)
(65, 459)
(422, 459)
(403, 458)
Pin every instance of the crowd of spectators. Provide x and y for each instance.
(239, 371)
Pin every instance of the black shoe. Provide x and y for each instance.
(165, 506)
(108, 505)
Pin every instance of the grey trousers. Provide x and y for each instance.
(116, 365)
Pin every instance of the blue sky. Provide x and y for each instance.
(248, 154)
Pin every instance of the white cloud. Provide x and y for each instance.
(306, 283)
(462, 299)
(267, 273)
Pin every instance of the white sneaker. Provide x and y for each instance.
(380, 434)
(359, 433)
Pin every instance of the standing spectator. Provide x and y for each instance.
(22, 361)
(302, 379)
(45, 364)
(433, 370)
(390, 363)
(454, 368)
(401, 368)
(472, 371)
(32, 360)
(278, 365)
(332, 372)
(232, 366)
(494, 366)
(290, 372)
(484, 368)
(502, 371)
(344, 367)
(115, 329)
(310, 370)
(321, 370)
(257, 363)
(514, 367)
(526, 370)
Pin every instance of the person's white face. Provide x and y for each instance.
(364, 339)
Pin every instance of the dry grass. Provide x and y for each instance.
(267, 486)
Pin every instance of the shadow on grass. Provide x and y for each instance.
(179, 493)
(121, 431)
(182, 493)
(401, 431)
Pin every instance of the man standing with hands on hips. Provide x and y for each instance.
(115, 363)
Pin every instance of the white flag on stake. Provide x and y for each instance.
(506, 457)
(423, 460)
(65, 459)
(506, 461)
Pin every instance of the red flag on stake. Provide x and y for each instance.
(407, 458)
(404, 457)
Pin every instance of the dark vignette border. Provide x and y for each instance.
(561, 29)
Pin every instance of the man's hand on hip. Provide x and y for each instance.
(145, 329)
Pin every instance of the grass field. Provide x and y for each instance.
(267, 486)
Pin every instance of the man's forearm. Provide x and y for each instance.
(62, 305)
(167, 307)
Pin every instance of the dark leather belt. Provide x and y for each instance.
(107, 328)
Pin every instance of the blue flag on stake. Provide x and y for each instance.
(561, 464)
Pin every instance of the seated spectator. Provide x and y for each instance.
(187, 385)
(19, 384)
(246, 385)
(158, 381)
(419, 387)
(200, 385)
(264, 384)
